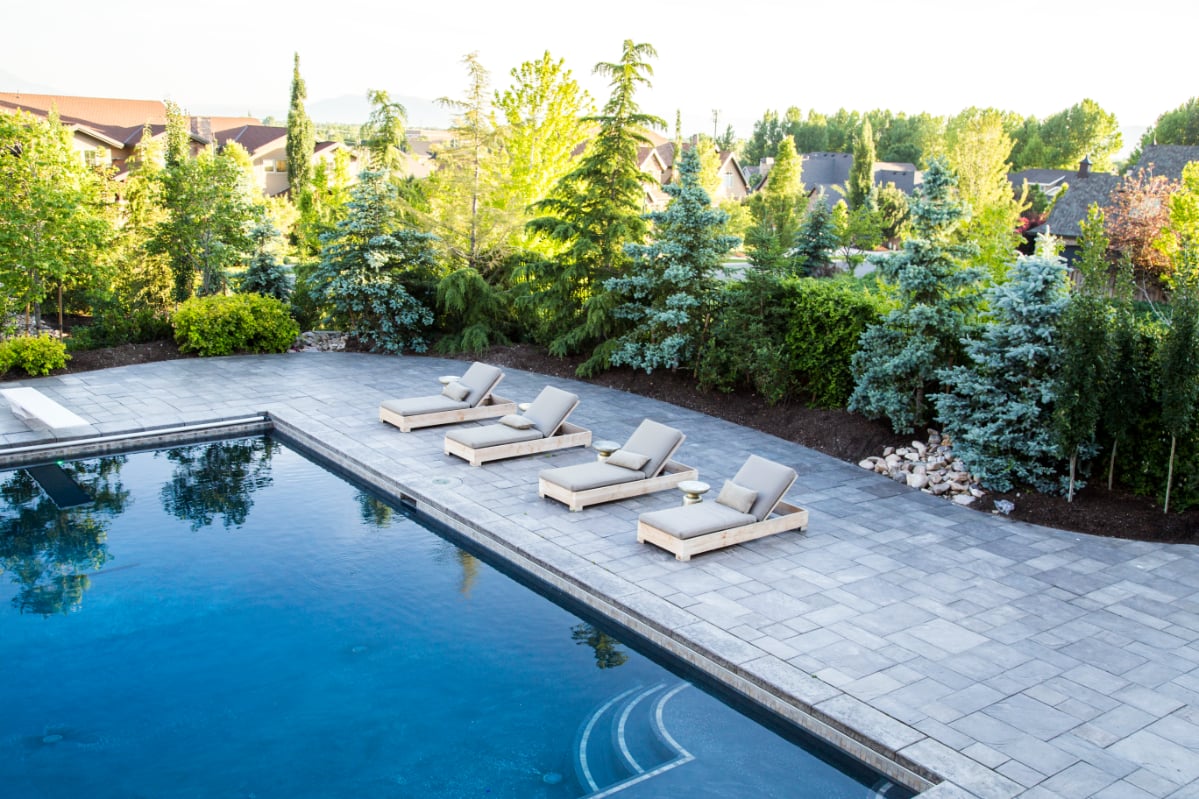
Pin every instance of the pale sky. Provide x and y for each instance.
(738, 58)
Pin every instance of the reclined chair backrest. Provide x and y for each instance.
(480, 378)
(656, 441)
(771, 480)
(550, 409)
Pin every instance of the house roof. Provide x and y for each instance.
(1070, 209)
(1168, 160)
(253, 137)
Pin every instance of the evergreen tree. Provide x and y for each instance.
(371, 269)
(861, 174)
(301, 140)
(593, 212)
(816, 240)
(265, 274)
(776, 211)
(996, 409)
(1128, 371)
(669, 282)
(1083, 350)
(896, 364)
(383, 134)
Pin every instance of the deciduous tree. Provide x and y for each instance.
(1138, 219)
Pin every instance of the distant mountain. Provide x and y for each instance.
(15, 83)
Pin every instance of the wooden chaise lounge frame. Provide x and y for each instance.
(668, 476)
(490, 406)
(780, 517)
(564, 435)
(790, 517)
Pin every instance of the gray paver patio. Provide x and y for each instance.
(967, 654)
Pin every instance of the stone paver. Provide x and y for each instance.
(970, 655)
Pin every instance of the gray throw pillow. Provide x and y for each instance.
(516, 421)
(627, 459)
(455, 391)
(739, 498)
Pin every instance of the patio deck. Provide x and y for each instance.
(977, 655)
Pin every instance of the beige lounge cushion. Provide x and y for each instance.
(737, 497)
(516, 421)
(627, 459)
(456, 391)
(657, 441)
(689, 521)
(550, 409)
(491, 435)
(414, 406)
(585, 476)
(771, 480)
(480, 379)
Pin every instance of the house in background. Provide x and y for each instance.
(657, 159)
(826, 175)
(106, 132)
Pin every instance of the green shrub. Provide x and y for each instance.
(746, 343)
(825, 319)
(115, 325)
(37, 355)
(239, 323)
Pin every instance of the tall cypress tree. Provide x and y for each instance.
(594, 211)
(301, 139)
(861, 174)
(1179, 360)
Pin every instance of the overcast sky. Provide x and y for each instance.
(736, 58)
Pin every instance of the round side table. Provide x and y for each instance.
(445, 380)
(604, 448)
(693, 491)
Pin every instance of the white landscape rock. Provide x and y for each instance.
(929, 467)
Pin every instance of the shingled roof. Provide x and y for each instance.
(1070, 209)
(1167, 160)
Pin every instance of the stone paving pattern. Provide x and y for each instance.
(992, 657)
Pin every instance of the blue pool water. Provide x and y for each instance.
(231, 619)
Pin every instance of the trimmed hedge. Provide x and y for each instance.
(238, 323)
(825, 320)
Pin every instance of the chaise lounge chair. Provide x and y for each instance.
(642, 466)
(543, 427)
(742, 512)
(465, 399)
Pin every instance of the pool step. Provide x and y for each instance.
(624, 742)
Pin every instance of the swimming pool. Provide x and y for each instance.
(231, 619)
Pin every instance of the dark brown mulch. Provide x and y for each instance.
(843, 435)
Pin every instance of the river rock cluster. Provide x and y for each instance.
(320, 341)
(929, 466)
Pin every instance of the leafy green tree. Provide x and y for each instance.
(301, 140)
(211, 209)
(893, 211)
(858, 231)
(898, 361)
(325, 204)
(373, 273)
(1179, 359)
(764, 141)
(1182, 231)
(383, 134)
(910, 139)
(540, 126)
(816, 240)
(998, 407)
(178, 136)
(1083, 350)
(1176, 126)
(861, 174)
(978, 146)
(667, 287)
(53, 225)
(776, 211)
(1127, 389)
(593, 212)
(1084, 130)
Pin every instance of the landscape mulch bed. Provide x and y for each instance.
(841, 434)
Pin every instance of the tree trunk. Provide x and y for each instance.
(1073, 463)
(60, 328)
(1170, 474)
(1111, 466)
